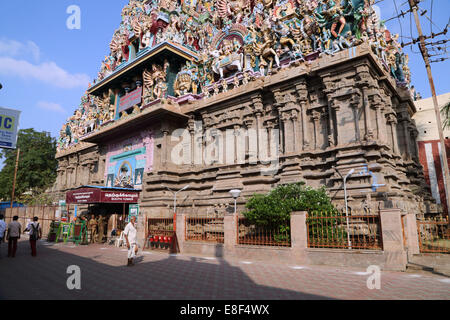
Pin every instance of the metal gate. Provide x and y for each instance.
(434, 235)
(161, 235)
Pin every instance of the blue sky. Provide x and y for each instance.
(45, 67)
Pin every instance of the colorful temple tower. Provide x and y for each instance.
(248, 94)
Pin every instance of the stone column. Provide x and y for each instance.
(230, 233)
(299, 231)
(367, 115)
(412, 237)
(392, 235)
(302, 93)
(316, 119)
(180, 232)
(392, 122)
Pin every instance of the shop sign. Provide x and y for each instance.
(130, 99)
(119, 197)
(84, 196)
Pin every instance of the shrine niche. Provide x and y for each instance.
(128, 160)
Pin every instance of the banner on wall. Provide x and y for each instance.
(9, 124)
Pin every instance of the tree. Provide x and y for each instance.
(445, 111)
(37, 165)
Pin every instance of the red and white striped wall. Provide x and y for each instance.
(430, 157)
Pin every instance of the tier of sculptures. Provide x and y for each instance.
(234, 41)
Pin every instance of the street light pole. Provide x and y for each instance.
(346, 207)
(424, 51)
(15, 176)
(175, 196)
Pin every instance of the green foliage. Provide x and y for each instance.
(273, 210)
(37, 164)
(445, 111)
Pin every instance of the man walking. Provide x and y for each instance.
(14, 229)
(3, 227)
(130, 234)
(35, 234)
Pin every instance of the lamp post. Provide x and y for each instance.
(346, 207)
(345, 199)
(235, 193)
(175, 204)
(175, 196)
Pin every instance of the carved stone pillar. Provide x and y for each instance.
(316, 120)
(392, 120)
(302, 97)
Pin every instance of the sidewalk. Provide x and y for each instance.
(161, 276)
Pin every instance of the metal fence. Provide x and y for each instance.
(45, 214)
(258, 235)
(332, 230)
(434, 235)
(161, 234)
(204, 229)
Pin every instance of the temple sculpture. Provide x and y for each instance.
(323, 83)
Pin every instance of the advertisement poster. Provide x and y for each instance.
(133, 211)
(9, 124)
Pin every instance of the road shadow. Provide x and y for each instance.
(168, 277)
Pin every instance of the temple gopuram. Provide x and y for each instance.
(312, 88)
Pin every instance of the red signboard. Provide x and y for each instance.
(119, 197)
(130, 99)
(91, 195)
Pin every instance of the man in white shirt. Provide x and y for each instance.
(14, 228)
(3, 227)
(130, 234)
(35, 234)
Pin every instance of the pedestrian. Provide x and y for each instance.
(14, 230)
(35, 232)
(3, 227)
(130, 234)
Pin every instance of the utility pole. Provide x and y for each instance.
(424, 51)
(15, 176)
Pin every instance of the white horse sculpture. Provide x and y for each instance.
(230, 62)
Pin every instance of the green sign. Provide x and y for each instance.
(133, 211)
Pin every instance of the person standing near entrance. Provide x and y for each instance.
(35, 234)
(3, 227)
(130, 234)
(14, 229)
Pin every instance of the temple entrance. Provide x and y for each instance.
(113, 216)
(107, 210)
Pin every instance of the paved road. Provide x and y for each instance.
(161, 276)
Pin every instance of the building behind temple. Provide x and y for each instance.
(272, 92)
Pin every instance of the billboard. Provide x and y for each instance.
(9, 124)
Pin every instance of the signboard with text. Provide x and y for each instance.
(87, 195)
(131, 99)
(9, 124)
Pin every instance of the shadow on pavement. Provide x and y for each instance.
(166, 278)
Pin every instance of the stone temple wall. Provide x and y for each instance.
(333, 114)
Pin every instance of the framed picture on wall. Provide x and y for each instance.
(138, 176)
(110, 181)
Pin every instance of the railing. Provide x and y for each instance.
(331, 230)
(204, 229)
(434, 235)
(251, 234)
(161, 234)
(45, 214)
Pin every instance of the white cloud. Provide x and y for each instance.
(48, 72)
(50, 106)
(12, 48)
